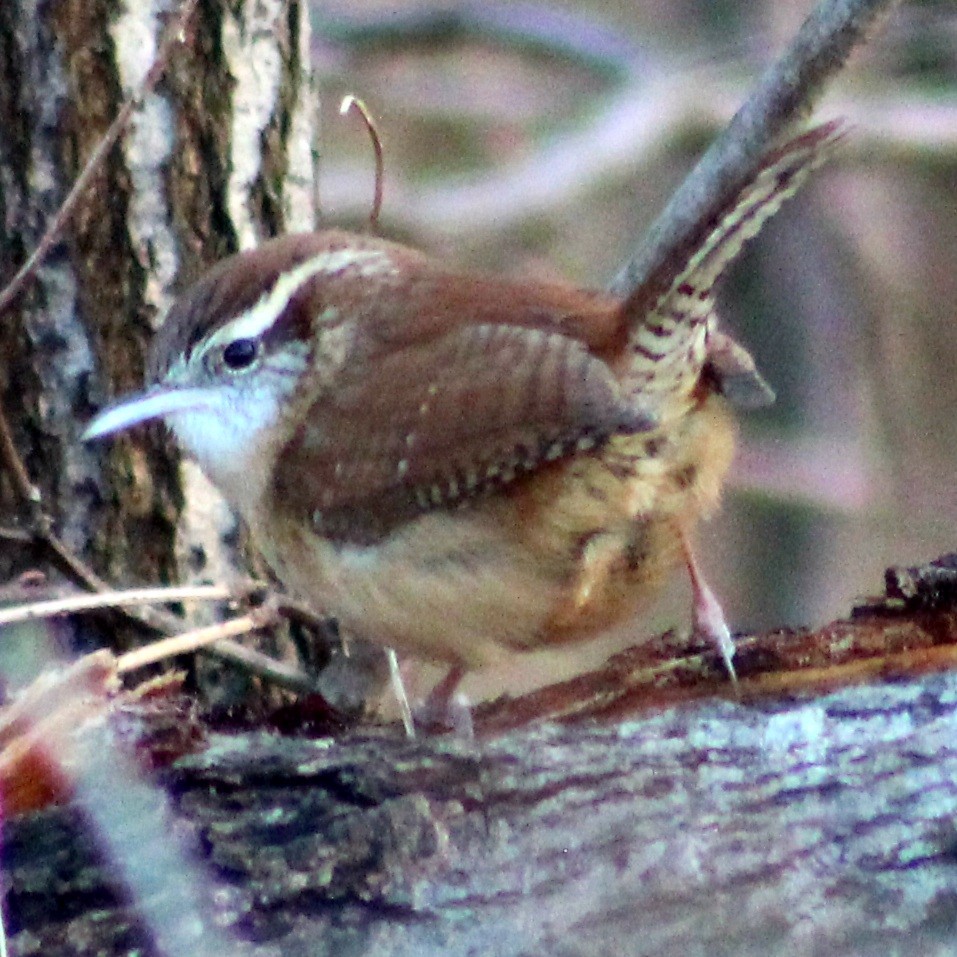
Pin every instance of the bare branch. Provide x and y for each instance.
(782, 97)
(10, 458)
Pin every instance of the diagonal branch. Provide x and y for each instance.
(783, 96)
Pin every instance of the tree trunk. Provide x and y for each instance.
(218, 157)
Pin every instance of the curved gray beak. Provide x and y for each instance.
(156, 403)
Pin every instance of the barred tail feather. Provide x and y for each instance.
(668, 342)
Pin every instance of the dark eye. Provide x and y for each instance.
(240, 353)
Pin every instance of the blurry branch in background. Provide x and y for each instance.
(822, 472)
(637, 124)
(655, 101)
(782, 98)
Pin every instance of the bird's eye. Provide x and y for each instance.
(240, 354)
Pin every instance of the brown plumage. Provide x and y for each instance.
(458, 466)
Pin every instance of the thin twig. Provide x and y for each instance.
(194, 640)
(255, 662)
(296, 611)
(113, 599)
(70, 562)
(164, 623)
(26, 272)
(41, 528)
(398, 689)
(262, 666)
(351, 102)
(10, 458)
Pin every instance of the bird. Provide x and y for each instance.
(461, 466)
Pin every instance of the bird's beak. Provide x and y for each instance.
(156, 403)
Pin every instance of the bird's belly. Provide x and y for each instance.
(557, 558)
(445, 587)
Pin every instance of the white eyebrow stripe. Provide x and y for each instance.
(259, 318)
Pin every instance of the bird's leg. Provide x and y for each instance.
(707, 616)
(398, 689)
(444, 707)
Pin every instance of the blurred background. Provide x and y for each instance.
(542, 139)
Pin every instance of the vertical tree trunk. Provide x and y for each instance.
(218, 157)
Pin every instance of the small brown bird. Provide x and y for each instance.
(458, 466)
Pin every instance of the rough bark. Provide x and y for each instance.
(216, 158)
(815, 825)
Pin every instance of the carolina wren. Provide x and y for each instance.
(453, 465)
